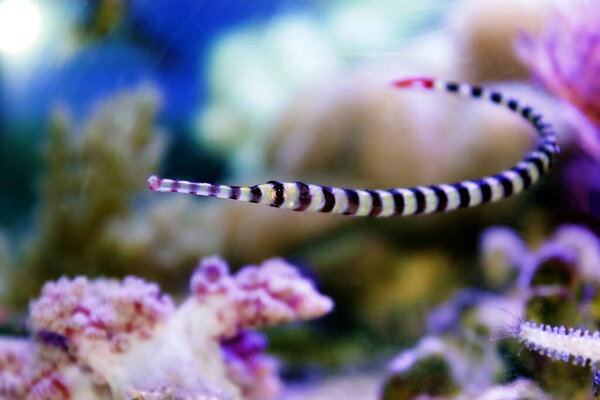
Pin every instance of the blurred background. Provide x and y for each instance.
(97, 95)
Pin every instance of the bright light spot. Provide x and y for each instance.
(20, 23)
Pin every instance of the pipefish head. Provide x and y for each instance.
(153, 182)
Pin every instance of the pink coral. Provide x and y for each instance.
(109, 339)
(103, 309)
(270, 294)
(14, 357)
(24, 377)
(566, 58)
(211, 276)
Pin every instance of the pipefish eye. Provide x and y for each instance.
(278, 194)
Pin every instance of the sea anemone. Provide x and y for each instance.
(566, 59)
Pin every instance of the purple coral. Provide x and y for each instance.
(253, 371)
(566, 59)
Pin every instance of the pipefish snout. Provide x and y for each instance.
(299, 196)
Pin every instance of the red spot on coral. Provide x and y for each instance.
(83, 310)
(61, 388)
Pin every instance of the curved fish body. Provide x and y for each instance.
(299, 196)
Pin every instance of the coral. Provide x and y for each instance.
(165, 237)
(92, 174)
(484, 33)
(429, 370)
(92, 214)
(30, 372)
(7, 265)
(572, 244)
(556, 281)
(582, 176)
(538, 285)
(271, 294)
(564, 59)
(442, 366)
(247, 365)
(425, 369)
(586, 246)
(246, 102)
(111, 339)
(105, 310)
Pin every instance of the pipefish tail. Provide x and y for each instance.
(300, 196)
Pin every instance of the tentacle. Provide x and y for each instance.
(300, 196)
(579, 346)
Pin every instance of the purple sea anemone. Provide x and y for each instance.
(571, 245)
(566, 59)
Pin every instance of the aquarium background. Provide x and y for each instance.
(96, 96)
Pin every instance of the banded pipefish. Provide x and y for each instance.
(300, 196)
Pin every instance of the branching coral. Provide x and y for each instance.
(92, 174)
(92, 215)
(109, 339)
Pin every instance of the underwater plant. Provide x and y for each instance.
(111, 339)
